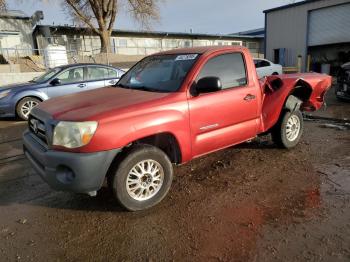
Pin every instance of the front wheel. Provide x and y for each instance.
(142, 178)
(25, 106)
(288, 130)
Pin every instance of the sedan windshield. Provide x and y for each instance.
(162, 73)
(46, 76)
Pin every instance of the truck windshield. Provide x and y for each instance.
(162, 73)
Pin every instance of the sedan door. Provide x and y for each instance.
(96, 77)
(113, 76)
(263, 68)
(70, 81)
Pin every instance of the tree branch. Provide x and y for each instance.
(81, 16)
(113, 16)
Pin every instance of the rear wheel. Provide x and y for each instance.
(142, 178)
(25, 106)
(288, 130)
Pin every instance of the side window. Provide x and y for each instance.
(113, 73)
(257, 63)
(72, 75)
(264, 63)
(97, 73)
(229, 68)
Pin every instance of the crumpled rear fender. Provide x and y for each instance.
(309, 90)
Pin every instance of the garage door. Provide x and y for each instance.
(329, 25)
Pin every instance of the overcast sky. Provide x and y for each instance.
(202, 16)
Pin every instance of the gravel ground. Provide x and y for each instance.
(253, 202)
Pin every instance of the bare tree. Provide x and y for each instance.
(100, 15)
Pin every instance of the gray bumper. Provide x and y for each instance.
(64, 171)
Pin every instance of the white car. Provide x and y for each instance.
(266, 68)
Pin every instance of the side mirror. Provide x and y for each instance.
(55, 82)
(208, 85)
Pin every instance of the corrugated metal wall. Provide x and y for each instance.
(288, 28)
(329, 25)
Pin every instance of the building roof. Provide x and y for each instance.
(258, 32)
(54, 28)
(290, 5)
(14, 14)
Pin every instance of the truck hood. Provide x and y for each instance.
(90, 105)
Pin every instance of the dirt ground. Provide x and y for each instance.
(253, 202)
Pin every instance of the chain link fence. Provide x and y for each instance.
(34, 60)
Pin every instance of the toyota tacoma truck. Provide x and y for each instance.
(170, 108)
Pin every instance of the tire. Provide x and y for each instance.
(275, 74)
(25, 105)
(133, 197)
(288, 130)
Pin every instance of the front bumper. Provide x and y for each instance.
(7, 110)
(65, 171)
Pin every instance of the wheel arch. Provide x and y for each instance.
(165, 141)
(293, 98)
(23, 97)
(301, 90)
(32, 96)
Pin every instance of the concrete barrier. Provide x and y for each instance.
(14, 78)
(10, 68)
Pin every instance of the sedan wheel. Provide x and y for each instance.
(25, 106)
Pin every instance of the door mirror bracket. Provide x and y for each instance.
(55, 82)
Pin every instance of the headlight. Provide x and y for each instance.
(73, 134)
(4, 93)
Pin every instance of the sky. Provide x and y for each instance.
(200, 16)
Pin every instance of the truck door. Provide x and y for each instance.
(226, 117)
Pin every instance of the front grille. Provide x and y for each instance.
(38, 128)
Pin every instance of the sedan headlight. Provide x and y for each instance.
(4, 93)
(73, 134)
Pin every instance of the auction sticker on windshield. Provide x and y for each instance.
(186, 57)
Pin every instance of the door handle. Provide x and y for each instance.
(113, 82)
(249, 97)
(82, 85)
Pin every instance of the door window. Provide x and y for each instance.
(230, 68)
(97, 73)
(261, 63)
(72, 76)
(113, 73)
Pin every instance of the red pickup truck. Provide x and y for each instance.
(169, 108)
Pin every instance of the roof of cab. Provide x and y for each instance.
(201, 50)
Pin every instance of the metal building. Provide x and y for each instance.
(16, 30)
(318, 31)
(123, 42)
